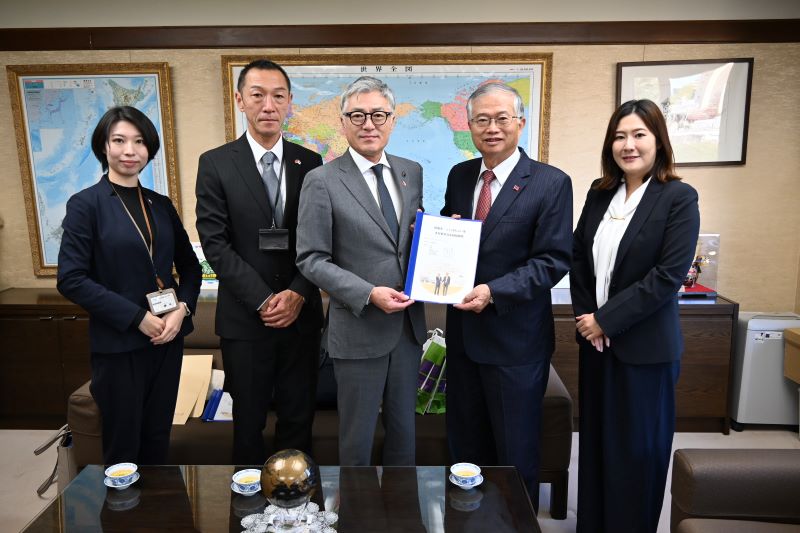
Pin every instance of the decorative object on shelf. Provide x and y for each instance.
(701, 280)
(706, 104)
(431, 89)
(55, 109)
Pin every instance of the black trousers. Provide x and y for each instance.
(627, 420)
(494, 414)
(136, 393)
(282, 371)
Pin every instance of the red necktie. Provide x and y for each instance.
(485, 197)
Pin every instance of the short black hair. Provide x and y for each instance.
(261, 64)
(128, 114)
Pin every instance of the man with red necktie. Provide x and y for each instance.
(500, 338)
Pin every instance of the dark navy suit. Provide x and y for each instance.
(104, 266)
(627, 393)
(498, 360)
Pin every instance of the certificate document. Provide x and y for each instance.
(444, 256)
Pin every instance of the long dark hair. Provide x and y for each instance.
(664, 164)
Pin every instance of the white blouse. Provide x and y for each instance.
(609, 234)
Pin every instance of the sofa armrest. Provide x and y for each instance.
(752, 484)
(83, 418)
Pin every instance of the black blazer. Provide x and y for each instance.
(232, 206)
(104, 266)
(525, 249)
(654, 255)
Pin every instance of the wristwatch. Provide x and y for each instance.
(186, 306)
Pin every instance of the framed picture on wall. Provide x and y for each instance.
(55, 110)
(431, 93)
(706, 104)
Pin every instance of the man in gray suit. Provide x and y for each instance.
(353, 241)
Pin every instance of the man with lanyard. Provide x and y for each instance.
(269, 317)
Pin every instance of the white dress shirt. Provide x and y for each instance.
(501, 174)
(609, 234)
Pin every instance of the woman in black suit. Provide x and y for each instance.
(632, 248)
(118, 248)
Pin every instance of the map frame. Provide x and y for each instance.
(468, 63)
(17, 74)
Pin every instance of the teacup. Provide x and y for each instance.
(465, 473)
(248, 480)
(121, 473)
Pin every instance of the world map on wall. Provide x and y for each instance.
(61, 113)
(431, 126)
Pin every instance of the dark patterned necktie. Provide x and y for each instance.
(387, 207)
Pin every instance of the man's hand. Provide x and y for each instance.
(151, 325)
(411, 226)
(282, 309)
(476, 299)
(172, 325)
(389, 300)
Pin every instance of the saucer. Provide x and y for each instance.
(478, 481)
(109, 483)
(235, 489)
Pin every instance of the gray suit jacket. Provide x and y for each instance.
(345, 248)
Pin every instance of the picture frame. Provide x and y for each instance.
(431, 92)
(705, 102)
(55, 110)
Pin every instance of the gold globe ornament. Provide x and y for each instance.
(289, 478)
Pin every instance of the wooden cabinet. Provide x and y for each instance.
(708, 326)
(45, 356)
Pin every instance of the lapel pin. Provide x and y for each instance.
(296, 161)
(516, 188)
(403, 182)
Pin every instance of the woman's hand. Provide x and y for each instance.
(589, 328)
(151, 325)
(172, 325)
(598, 343)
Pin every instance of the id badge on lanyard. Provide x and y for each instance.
(162, 301)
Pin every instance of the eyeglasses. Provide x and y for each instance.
(358, 118)
(502, 121)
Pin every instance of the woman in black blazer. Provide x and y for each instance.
(119, 245)
(632, 248)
